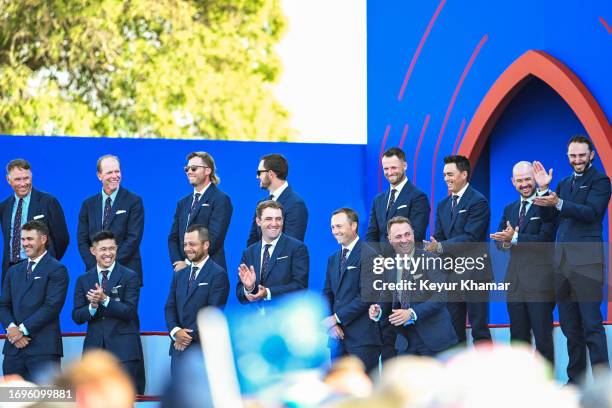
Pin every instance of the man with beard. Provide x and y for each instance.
(349, 328)
(419, 317)
(207, 206)
(579, 203)
(272, 173)
(527, 230)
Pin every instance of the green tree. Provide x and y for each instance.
(141, 68)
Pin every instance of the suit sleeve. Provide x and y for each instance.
(299, 273)
(135, 226)
(239, 286)
(253, 236)
(419, 216)
(595, 205)
(328, 295)
(6, 303)
(373, 232)
(58, 228)
(170, 311)
(439, 233)
(296, 220)
(219, 290)
(174, 242)
(80, 305)
(127, 308)
(83, 240)
(219, 222)
(55, 296)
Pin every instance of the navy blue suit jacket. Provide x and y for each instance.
(211, 288)
(343, 290)
(37, 304)
(580, 218)
(411, 203)
(214, 211)
(287, 270)
(45, 208)
(460, 234)
(126, 222)
(433, 323)
(531, 265)
(116, 327)
(295, 217)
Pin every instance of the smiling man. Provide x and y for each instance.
(579, 202)
(33, 295)
(28, 204)
(114, 209)
(275, 265)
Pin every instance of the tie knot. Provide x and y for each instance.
(393, 191)
(267, 247)
(271, 197)
(108, 200)
(31, 264)
(194, 269)
(196, 196)
(455, 197)
(104, 273)
(524, 202)
(344, 252)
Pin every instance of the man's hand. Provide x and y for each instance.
(549, 200)
(96, 295)
(399, 317)
(336, 332)
(13, 334)
(431, 245)
(542, 178)
(23, 342)
(178, 265)
(247, 276)
(329, 322)
(178, 346)
(183, 338)
(505, 235)
(374, 312)
(262, 293)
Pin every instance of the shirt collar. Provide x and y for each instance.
(26, 198)
(37, 260)
(530, 199)
(276, 193)
(273, 243)
(112, 196)
(203, 190)
(585, 170)
(400, 186)
(110, 269)
(462, 191)
(200, 264)
(351, 245)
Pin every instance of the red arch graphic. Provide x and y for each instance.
(559, 77)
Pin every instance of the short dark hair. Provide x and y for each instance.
(208, 161)
(101, 236)
(581, 139)
(37, 226)
(350, 214)
(202, 231)
(395, 151)
(106, 156)
(462, 163)
(398, 219)
(278, 164)
(22, 164)
(267, 204)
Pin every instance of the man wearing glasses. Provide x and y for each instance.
(272, 173)
(206, 205)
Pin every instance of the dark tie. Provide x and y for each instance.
(454, 205)
(104, 280)
(343, 260)
(522, 214)
(29, 270)
(404, 295)
(271, 197)
(192, 276)
(574, 178)
(107, 213)
(194, 207)
(265, 261)
(16, 241)
(391, 201)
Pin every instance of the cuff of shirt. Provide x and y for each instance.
(559, 205)
(248, 292)
(337, 318)
(268, 294)
(173, 332)
(514, 238)
(106, 301)
(11, 325)
(92, 311)
(377, 318)
(23, 329)
(542, 193)
(440, 250)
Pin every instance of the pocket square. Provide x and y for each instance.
(38, 217)
(583, 187)
(37, 277)
(402, 206)
(203, 283)
(120, 212)
(351, 267)
(205, 205)
(282, 257)
(534, 218)
(461, 211)
(116, 287)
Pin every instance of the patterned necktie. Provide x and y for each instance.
(343, 260)
(265, 261)
(104, 280)
(522, 214)
(29, 270)
(404, 295)
(271, 197)
(16, 240)
(194, 207)
(454, 205)
(107, 213)
(192, 276)
(391, 201)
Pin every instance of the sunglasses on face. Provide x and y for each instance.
(261, 171)
(193, 168)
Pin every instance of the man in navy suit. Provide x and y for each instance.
(275, 265)
(33, 295)
(272, 173)
(114, 209)
(527, 230)
(106, 298)
(579, 203)
(25, 205)
(207, 205)
(203, 283)
(349, 328)
(462, 229)
(419, 317)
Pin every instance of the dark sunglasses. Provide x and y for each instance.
(192, 168)
(261, 171)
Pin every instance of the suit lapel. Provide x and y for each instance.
(256, 254)
(182, 282)
(38, 271)
(401, 198)
(463, 202)
(34, 207)
(530, 213)
(513, 217)
(203, 199)
(114, 278)
(7, 220)
(352, 259)
(201, 276)
(278, 249)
